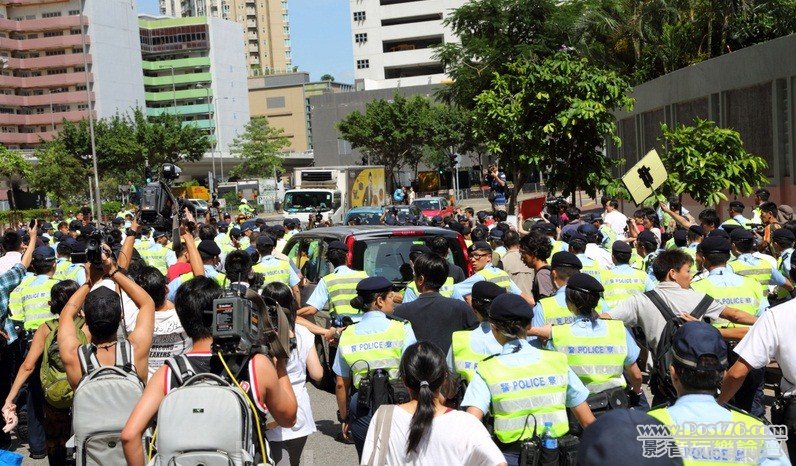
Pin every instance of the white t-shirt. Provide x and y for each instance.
(169, 339)
(771, 337)
(455, 437)
(297, 372)
(617, 221)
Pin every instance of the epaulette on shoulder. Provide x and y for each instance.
(399, 319)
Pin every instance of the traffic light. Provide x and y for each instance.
(148, 174)
(452, 160)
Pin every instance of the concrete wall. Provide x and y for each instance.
(230, 91)
(116, 56)
(752, 91)
(281, 99)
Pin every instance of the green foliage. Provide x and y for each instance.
(706, 161)
(259, 147)
(59, 174)
(327, 77)
(554, 115)
(232, 199)
(111, 208)
(24, 216)
(13, 165)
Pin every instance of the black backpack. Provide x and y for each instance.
(662, 357)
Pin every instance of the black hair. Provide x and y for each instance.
(194, 305)
(695, 380)
(692, 236)
(282, 295)
(769, 207)
(536, 244)
(478, 234)
(584, 303)
(565, 272)
(42, 266)
(337, 257)
(103, 311)
(434, 270)
(154, 283)
(577, 246)
(709, 216)
(363, 301)
(713, 259)
(738, 209)
(681, 242)
(673, 259)
(11, 241)
(501, 215)
(621, 257)
(649, 246)
(744, 246)
(60, 294)
(785, 243)
(511, 239)
(424, 371)
(439, 245)
(137, 265)
(515, 328)
(238, 266)
(614, 203)
(648, 213)
(790, 225)
(573, 213)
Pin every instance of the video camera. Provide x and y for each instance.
(94, 242)
(158, 206)
(244, 324)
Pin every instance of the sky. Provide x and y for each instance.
(320, 36)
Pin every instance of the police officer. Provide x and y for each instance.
(761, 197)
(143, 242)
(598, 351)
(64, 268)
(209, 252)
(469, 347)
(699, 362)
(375, 342)
(623, 280)
(648, 249)
(157, 253)
(553, 310)
(522, 380)
(747, 265)
(244, 207)
(577, 246)
(730, 289)
(246, 230)
(273, 269)
(337, 288)
(736, 219)
(782, 240)
(481, 260)
(29, 303)
(550, 230)
(411, 292)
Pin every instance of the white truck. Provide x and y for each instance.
(332, 191)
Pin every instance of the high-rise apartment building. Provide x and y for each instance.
(265, 23)
(195, 68)
(393, 41)
(47, 78)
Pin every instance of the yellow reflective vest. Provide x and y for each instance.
(29, 303)
(598, 361)
(380, 350)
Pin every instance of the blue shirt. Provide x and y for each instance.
(271, 260)
(561, 299)
(465, 288)
(410, 295)
(482, 341)
(478, 395)
(703, 409)
(776, 277)
(582, 327)
(320, 296)
(500, 191)
(372, 322)
(210, 272)
(627, 269)
(724, 277)
(80, 277)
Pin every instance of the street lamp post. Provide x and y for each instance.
(90, 103)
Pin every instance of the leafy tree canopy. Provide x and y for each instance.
(259, 146)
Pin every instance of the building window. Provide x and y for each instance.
(51, 14)
(361, 38)
(284, 5)
(56, 71)
(275, 102)
(82, 107)
(286, 29)
(359, 16)
(77, 50)
(285, 18)
(80, 87)
(362, 64)
(53, 34)
(287, 42)
(287, 54)
(74, 12)
(80, 69)
(50, 53)
(74, 32)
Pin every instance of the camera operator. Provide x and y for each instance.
(496, 180)
(390, 217)
(269, 384)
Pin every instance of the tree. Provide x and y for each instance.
(327, 77)
(704, 161)
(167, 140)
(259, 147)
(59, 174)
(13, 165)
(390, 133)
(554, 116)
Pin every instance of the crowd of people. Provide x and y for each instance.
(547, 353)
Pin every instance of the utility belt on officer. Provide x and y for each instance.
(613, 398)
(376, 389)
(783, 410)
(533, 453)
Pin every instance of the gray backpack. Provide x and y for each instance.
(103, 401)
(216, 414)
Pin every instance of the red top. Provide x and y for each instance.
(180, 268)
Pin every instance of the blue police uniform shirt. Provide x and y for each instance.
(741, 219)
(482, 341)
(582, 327)
(776, 277)
(724, 277)
(478, 395)
(271, 260)
(210, 272)
(80, 278)
(465, 287)
(703, 409)
(561, 299)
(372, 322)
(171, 258)
(564, 246)
(410, 295)
(320, 296)
(627, 269)
(785, 267)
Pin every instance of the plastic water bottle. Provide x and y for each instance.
(548, 441)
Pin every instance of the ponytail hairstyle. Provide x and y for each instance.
(363, 302)
(424, 371)
(511, 329)
(583, 304)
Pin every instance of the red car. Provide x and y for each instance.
(433, 206)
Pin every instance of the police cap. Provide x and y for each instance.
(565, 259)
(235, 232)
(209, 247)
(680, 237)
(248, 226)
(337, 245)
(480, 246)
(486, 291)
(75, 225)
(613, 439)
(159, 233)
(648, 237)
(510, 306)
(264, 241)
(693, 340)
(496, 233)
(741, 234)
(278, 229)
(721, 233)
(783, 233)
(545, 227)
(118, 221)
(587, 229)
(714, 244)
(737, 205)
(44, 253)
(763, 194)
(578, 237)
(47, 226)
(585, 283)
(697, 230)
(372, 285)
(621, 246)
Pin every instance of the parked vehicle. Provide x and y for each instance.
(368, 215)
(200, 206)
(433, 206)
